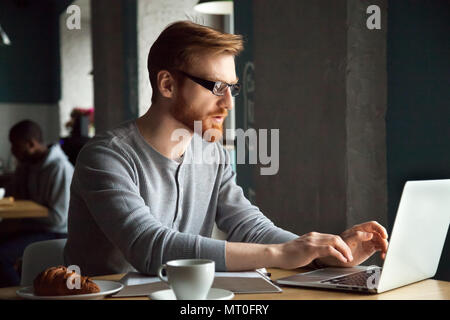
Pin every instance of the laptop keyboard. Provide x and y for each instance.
(356, 279)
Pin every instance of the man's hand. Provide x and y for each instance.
(351, 248)
(363, 240)
(303, 250)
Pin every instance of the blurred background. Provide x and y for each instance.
(360, 111)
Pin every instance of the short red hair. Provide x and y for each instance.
(179, 43)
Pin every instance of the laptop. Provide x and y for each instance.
(415, 245)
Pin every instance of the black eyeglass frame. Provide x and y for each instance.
(213, 86)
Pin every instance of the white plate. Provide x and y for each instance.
(213, 294)
(106, 288)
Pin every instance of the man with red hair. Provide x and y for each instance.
(138, 199)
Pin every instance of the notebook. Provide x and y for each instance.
(137, 284)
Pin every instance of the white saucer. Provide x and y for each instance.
(213, 294)
(106, 288)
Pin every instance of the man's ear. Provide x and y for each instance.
(166, 83)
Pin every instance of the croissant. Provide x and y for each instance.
(53, 282)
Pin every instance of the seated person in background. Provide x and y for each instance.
(142, 196)
(43, 175)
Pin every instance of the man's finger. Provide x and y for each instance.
(364, 236)
(342, 247)
(383, 254)
(379, 242)
(374, 226)
(339, 245)
(331, 251)
(356, 237)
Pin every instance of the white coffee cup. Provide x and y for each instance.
(2, 193)
(189, 279)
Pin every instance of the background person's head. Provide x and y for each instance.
(26, 141)
(188, 48)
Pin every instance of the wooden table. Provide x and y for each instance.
(423, 290)
(23, 209)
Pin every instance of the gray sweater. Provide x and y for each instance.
(132, 209)
(47, 183)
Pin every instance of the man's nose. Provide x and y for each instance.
(227, 100)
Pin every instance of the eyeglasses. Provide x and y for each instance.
(218, 88)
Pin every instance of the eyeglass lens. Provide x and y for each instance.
(221, 87)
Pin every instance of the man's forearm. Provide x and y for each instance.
(248, 256)
(298, 253)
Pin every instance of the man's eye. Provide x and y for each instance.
(221, 87)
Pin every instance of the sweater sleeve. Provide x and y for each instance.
(57, 195)
(107, 184)
(238, 218)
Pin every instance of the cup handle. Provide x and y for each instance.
(160, 269)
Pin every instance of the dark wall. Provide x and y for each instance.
(243, 24)
(30, 66)
(300, 52)
(418, 118)
(320, 78)
(114, 51)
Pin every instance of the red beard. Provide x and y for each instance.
(186, 115)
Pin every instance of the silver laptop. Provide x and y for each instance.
(415, 245)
